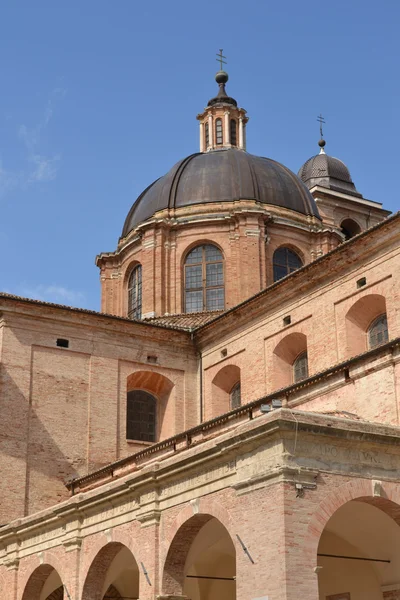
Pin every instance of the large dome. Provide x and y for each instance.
(222, 176)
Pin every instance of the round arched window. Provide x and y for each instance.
(300, 367)
(378, 332)
(350, 228)
(285, 261)
(135, 293)
(204, 279)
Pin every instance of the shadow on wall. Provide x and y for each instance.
(33, 463)
(223, 386)
(358, 320)
(285, 354)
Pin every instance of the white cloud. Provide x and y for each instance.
(51, 293)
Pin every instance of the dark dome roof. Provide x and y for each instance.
(222, 176)
(328, 172)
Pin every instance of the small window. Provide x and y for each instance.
(378, 332)
(218, 132)
(135, 293)
(62, 343)
(300, 367)
(235, 396)
(285, 261)
(233, 133)
(350, 228)
(141, 416)
(204, 279)
(207, 135)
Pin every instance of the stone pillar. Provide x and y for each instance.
(241, 136)
(227, 137)
(201, 137)
(210, 132)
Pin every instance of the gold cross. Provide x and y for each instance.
(220, 59)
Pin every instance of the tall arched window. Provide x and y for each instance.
(300, 367)
(233, 132)
(141, 416)
(234, 396)
(204, 279)
(378, 332)
(218, 131)
(207, 135)
(135, 293)
(285, 261)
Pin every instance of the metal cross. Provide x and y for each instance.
(321, 120)
(220, 59)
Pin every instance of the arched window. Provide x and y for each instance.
(378, 331)
(141, 416)
(207, 135)
(204, 279)
(135, 293)
(218, 131)
(285, 261)
(235, 396)
(300, 367)
(233, 133)
(350, 228)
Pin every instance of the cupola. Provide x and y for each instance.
(222, 123)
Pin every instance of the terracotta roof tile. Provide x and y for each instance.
(185, 320)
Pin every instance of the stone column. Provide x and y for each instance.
(227, 137)
(241, 136)
(201, 137)
(210, 132)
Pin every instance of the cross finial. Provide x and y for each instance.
(220, 59)
(321, 121)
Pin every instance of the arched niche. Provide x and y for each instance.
(201, 561)
(350, 228)
(44, 584)
(358, 320)
(290, 348)
(160, 387)
(224, 386)
(113, 573)
(358, 531)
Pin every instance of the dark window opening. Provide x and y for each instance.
(287, 320)
(233, 132)
(218, 132)
(235, 397)
(62, 343)
(350, 228)
(300, 367)
(361, 282)
(285, 261)
(141, 416)
(135, 293)
(378, 333)
(207, 135)
(204, 279)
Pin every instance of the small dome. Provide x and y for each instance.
(329, 172)
(222, 176)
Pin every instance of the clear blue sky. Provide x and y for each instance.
(99, 98)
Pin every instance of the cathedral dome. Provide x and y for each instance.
(329, 172)
(222, 175)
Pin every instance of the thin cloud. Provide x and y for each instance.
(43, 168)
(51, 293)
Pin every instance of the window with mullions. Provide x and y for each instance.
(300, 367)
(141, 416)
(378, 332)
(135, 293)
(207, 135)
(233, 133)
(204, 279)
(285, 261)
(218, 132)
(235, 396)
